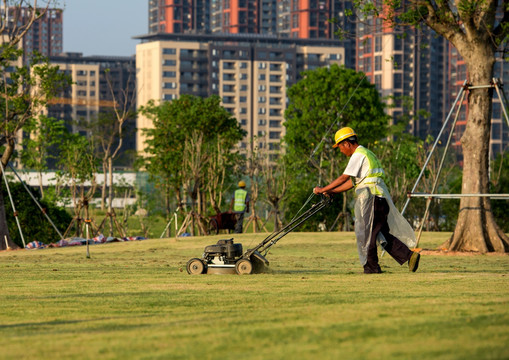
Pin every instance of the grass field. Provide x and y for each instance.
(134, 300)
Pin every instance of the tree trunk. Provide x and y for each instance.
(110, 196)
(346, 220)
(277, 221)
(103, 191)
(41, 187)
(168, 212)
(476, 229)
(4, 229)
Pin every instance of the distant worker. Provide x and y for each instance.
(375, 212)
(240, 204)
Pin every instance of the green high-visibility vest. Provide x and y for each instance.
(239, 204)
(375, 172)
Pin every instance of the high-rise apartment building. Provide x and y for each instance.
(250, 73)
(457, 73)
(304, 19)
(412, 66)
(90, 94)
(179, 16)
(44, 36)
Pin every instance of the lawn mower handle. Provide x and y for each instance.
(276, 236)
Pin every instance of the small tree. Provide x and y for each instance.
(78, 166)
(276, 182)
(40, 146)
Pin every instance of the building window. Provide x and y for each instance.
(169, 74)
(274, 135)
(378, 82)
(378, 43)
(398, 81)
(169, 51)
(398, 43)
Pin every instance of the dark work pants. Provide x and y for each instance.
(399, 251)
(239, 217)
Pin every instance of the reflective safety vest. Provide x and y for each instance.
(240, 200)
(375, 173)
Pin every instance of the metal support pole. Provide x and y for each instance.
(428, 201)
(502, 98)
(459, 196)
(169, 223)
(12, 203)
(35, 200)
(435, 144)
(87, 224)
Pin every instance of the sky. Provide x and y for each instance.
(104, 27)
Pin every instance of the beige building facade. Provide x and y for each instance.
(251, 74)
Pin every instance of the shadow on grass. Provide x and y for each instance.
(69, 322)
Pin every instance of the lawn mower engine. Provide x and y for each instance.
(226, 257)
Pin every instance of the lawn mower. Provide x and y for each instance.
(227, 257)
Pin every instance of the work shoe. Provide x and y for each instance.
(376, 270)
(413, 263)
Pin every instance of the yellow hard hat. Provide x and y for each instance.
(343, 134)
(242, 183)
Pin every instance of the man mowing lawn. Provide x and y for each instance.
(376, 217)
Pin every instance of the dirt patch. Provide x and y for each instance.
(445, 252)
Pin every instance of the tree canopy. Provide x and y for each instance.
(183, 146)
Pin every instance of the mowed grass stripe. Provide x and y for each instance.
(132, 301)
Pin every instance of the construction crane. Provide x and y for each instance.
(82, 102)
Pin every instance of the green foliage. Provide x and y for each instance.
(77, 162)
(500, 185)
(322, 102)
(26, 88)
(42, 146)
(34, 225)
(176, 125)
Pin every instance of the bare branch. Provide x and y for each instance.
(16, 33)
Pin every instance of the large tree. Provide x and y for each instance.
(478, 29)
